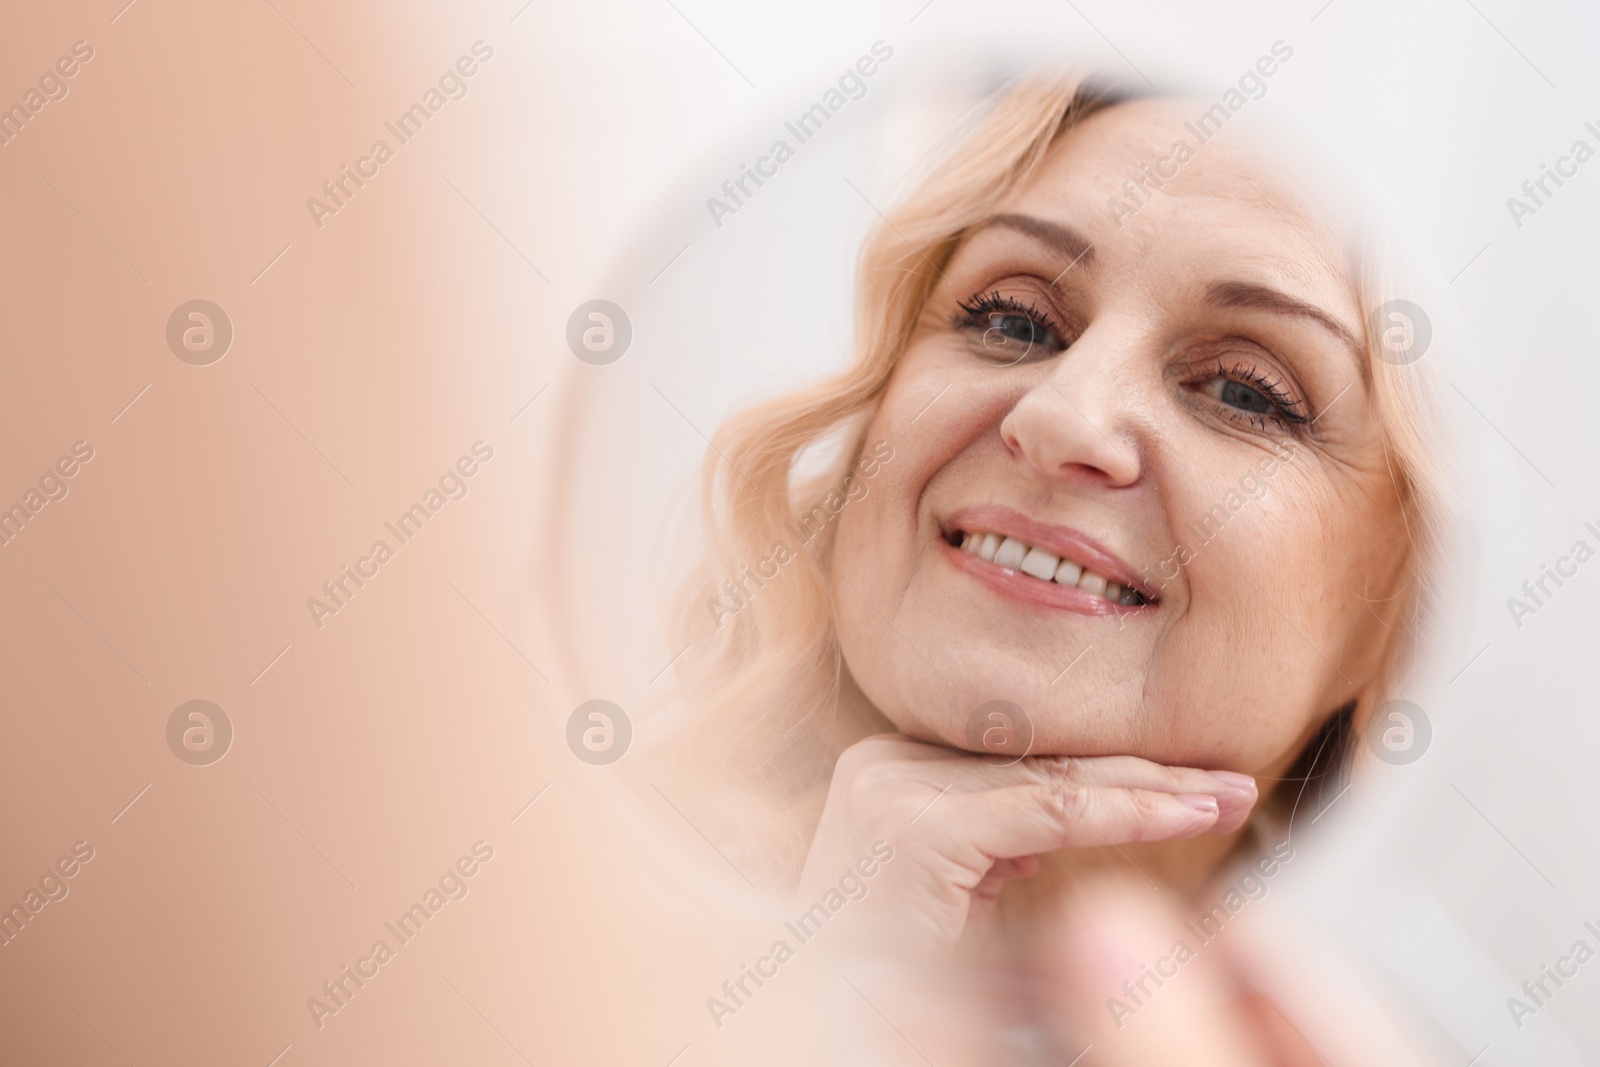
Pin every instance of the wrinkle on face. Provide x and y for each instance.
(1269, 625)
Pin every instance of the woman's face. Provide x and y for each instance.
(1171, 397)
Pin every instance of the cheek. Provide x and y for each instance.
(1281, 562)
(860, 548)
(1272, 596)
(878, 536)
(869, 576)
(881, 535)
(884, 547)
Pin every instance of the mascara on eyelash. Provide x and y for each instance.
(1264, 383)
(981, 304)
(974, 308)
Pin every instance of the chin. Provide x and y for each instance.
(1073, 717)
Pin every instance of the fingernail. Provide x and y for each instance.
(1236, 782)
(1200, 802)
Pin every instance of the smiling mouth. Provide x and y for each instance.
(1048, 568)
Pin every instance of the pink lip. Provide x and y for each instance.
(1062, 541)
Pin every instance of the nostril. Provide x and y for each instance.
(1009, 440)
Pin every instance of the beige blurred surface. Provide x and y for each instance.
(372, 751)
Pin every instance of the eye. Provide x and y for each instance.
(1250, 395)
(1005, 331)
(1241, 396)
(1018, 328)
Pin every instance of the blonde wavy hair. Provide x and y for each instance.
(760, 684)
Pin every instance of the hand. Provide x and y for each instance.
(961, 826)
(1264, 995)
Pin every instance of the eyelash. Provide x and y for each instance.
(975, 310)
(1288, 406)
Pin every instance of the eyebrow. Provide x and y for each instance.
(1260, 297)
(1058, 238)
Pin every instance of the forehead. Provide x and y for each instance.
(1142, 185)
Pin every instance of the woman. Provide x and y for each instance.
(1118, 488)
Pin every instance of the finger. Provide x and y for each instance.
(897, 746)
(1146, 774)
(1003, 871)
(1016, 867)
(1236, 793)
(1044, 816)
(1110, 792)
(984, 904)
(1107, 997)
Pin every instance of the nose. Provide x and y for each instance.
(1075, 424)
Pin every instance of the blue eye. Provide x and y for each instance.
(1243, 397)
(1250, 394)
(1005, 331)
(1019, 328)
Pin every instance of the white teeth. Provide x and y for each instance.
(1039, 563)
(1013, 554)
(1010, 553)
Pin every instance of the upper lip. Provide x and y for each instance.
(1063, 541)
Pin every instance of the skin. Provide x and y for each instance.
(1259, 996)
(1097, 399)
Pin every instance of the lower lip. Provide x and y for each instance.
(1018, 586)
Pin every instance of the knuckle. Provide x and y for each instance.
(882, 785)
(1175, 779)
(862, 755)
(850, 761)
(1068, 801)
(877, 775)
(1055, 772)
(1146, 810)
(867, 778)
